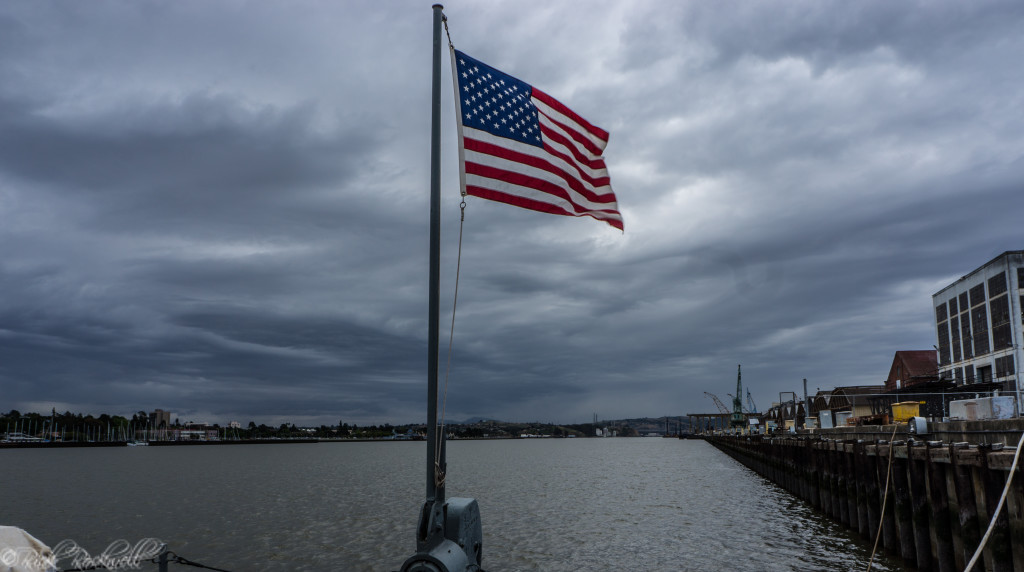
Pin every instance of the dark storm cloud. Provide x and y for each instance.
(221, 209)
(213, 158)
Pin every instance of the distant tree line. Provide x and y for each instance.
(69, 426)
(78, 427)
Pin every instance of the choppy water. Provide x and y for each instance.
(553, 504)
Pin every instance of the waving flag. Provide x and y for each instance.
(518, 145)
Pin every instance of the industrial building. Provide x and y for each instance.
(980, 326)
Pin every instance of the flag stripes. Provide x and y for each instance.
(520, 146)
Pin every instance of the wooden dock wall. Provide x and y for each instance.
(940, 498)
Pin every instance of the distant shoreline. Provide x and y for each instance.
(78, 444)
(86, 444)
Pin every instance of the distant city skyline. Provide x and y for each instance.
(221, 211)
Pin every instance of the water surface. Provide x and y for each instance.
(546, 504)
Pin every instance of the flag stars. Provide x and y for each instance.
(495, 103)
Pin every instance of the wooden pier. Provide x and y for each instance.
(941, 495)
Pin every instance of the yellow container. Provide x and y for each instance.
(903, 411)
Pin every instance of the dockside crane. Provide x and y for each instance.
(718, 402)
(750, 401)
(738, 420)
(746, 410)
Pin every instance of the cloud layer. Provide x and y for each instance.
(221, 209)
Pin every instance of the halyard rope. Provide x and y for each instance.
(439, 474)
(444, 20)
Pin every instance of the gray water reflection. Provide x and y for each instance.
(553, 505)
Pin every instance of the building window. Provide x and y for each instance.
(954, 326)
(979, 325)
(959, 375)
(1002, 337)
(943, 343)
(1004, 366)
(1020, 278)
(940, 313)
(952, 306)
(969, 374)
(977, 295)
(964, 306)
(984, 374)
(965, 335)
(997, 285)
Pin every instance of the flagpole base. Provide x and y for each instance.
(460, 549)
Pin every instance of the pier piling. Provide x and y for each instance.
(941, 496)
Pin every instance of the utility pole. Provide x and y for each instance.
(807, 404)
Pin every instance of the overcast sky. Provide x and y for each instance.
(220, 208)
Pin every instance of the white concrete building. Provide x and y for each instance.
(980, 326)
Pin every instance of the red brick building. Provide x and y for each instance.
(912, 367)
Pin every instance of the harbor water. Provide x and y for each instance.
(546, 504)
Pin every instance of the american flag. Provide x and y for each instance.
(518, 145)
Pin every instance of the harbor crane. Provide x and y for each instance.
(747, 409)
(738, 419)
(718, 402)
(750, 401)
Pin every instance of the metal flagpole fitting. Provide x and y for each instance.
(449, 537)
